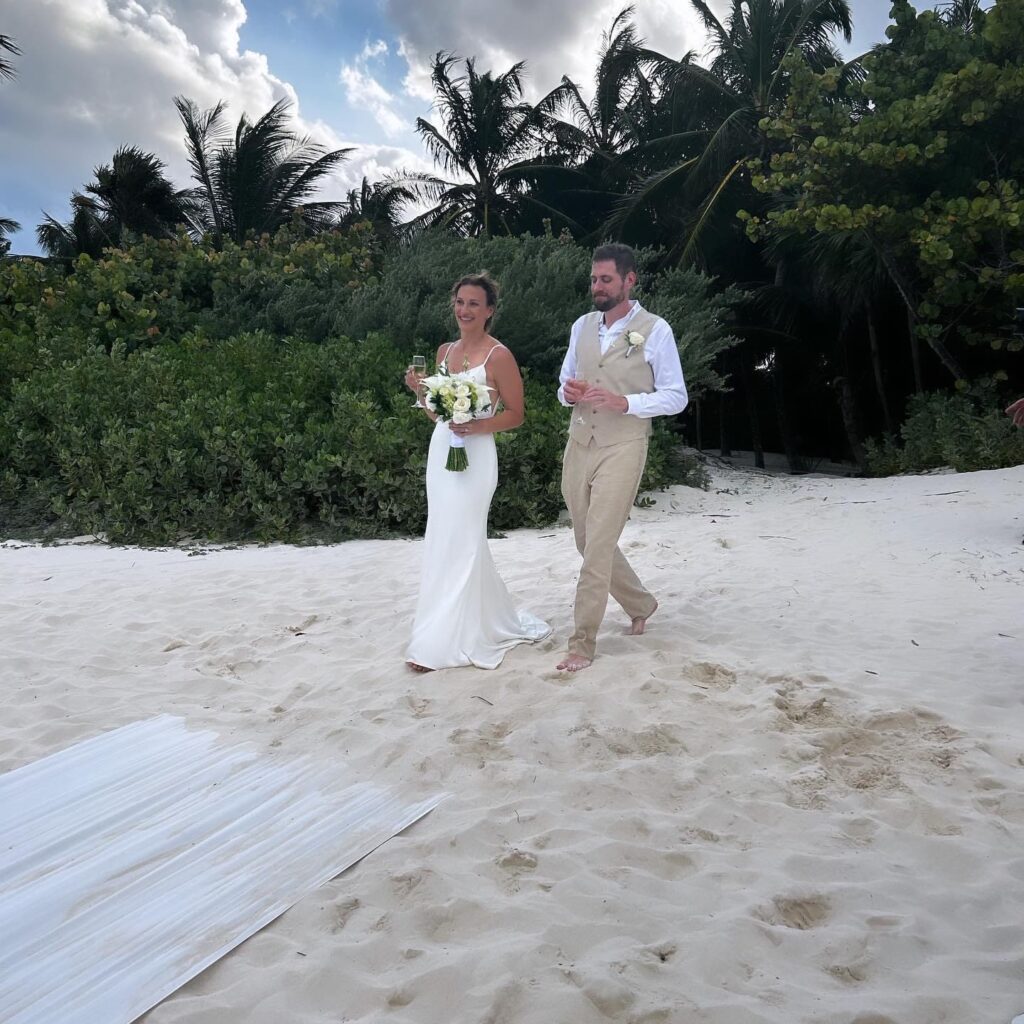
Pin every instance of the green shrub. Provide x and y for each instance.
(170, 390)
(959, 431)
(545, 286)
(251, 438)
(157, 291)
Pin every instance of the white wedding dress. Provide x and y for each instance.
(465, 615)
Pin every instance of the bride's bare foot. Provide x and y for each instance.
(418, 668)
(639, 624)
(573, 663)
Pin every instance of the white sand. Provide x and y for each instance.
(798, 798)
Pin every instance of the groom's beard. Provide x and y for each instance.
(607, 301)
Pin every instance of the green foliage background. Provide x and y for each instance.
(965, 432)
(170, 391)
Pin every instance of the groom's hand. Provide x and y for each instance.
(574, 390)
(602, 398)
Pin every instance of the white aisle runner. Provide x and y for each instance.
(132, 861)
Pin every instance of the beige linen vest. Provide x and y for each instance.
(614, 371)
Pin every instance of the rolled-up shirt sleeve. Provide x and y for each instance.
(568, 371)
(669, 396)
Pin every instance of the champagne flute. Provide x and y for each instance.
(419, 367)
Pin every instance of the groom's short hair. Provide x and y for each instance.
(621, 255)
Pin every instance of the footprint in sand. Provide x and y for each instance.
(848, 974)
(295, 694)
(404, 884)
(517, 861)
(611, 998)
(704, 675)
(663, 952)
(660, 738)
(485, 742)
(857, 751)
(341, 912)
(801, 913)
(419, 706)
(710, 676)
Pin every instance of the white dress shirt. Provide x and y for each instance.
(669, 396)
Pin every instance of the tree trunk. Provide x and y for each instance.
(723, 438)
(781, 394)
(876, 365)
(699, 423)
(937, 346)
(848, 408)
(749, 385)
(915, 350)
(947, 358)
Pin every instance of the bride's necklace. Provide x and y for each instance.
(465, 356)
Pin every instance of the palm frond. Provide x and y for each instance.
(8, 45)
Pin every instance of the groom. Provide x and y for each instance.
(622, 369)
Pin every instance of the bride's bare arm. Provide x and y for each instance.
(508, 387)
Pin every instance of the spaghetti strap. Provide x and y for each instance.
(488, 356)
(444, 360)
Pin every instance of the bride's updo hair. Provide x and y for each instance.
(481, 280)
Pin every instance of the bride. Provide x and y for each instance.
(465, 615)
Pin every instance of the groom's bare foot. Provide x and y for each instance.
(639, 624)
(572, 663)
(418, 668)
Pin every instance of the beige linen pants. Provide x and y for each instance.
(599, 485)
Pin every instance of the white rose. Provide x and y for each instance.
(462, 391)
(634, 339)
(461, 417)
(462, 405)
(445, 391)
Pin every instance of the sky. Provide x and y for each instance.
(98, 74)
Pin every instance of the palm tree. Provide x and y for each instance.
(966, 15)
(6, 67)
(83, 234)
(601, 136)
(380, 204)
(131, 195)
(623, 99)
(488, 145)
(7, 227)
(720, 106)
(257, 179)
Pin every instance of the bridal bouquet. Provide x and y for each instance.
(456, 398)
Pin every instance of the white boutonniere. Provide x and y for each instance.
(634, 341)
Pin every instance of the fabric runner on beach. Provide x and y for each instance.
(133, 860)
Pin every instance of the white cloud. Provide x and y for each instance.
(500, 34)
(363, 90)
(372, 50)
(98, 74)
